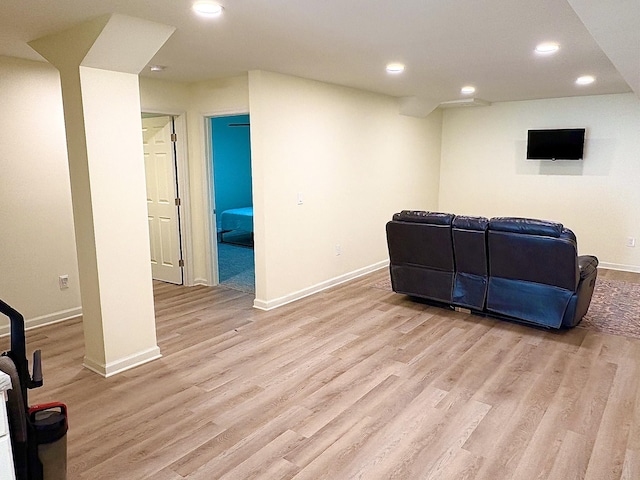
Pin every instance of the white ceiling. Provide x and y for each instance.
(444, 44)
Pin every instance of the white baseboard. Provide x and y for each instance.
(292, 297)
(622, 268)
(123, 364)
(49, 319)
(200, 281)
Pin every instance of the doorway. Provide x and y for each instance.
(163, 200)
(233, 201)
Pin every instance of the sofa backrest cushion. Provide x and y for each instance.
(470, 244)
(424, 242)
(462, 222)
(533, 251)
(420, 216)
(529, 226)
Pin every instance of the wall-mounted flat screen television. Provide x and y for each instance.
(556, 144)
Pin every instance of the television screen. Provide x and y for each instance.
(558, 144)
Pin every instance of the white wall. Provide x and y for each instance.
(197, 101)
(208, 98)
(113, 234)
(351, 155)
(37, 242)
(161, 96)
(354, 160)
(484, 170)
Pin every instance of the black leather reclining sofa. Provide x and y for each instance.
(520, 269)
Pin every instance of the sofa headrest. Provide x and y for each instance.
(529, 226)
(470, 223)
(419, 216)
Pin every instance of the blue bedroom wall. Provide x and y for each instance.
(231, 163)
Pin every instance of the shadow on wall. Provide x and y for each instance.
(598, 157)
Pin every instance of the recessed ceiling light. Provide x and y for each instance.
(157, 68)
(208, 9)
(468, 90)
(547, 48)
(585, 80)
(395, 68)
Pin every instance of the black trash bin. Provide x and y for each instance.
(50, 425)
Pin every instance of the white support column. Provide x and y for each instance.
(99, 62)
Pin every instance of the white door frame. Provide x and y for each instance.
(211, 249)
(182, 167)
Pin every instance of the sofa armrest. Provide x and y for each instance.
(587, 265)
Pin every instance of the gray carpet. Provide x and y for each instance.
(614, 309)
(236, 267)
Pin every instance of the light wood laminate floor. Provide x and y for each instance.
(353, 382)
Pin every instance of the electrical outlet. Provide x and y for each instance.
(63, 281)
(338, 250)
(631, 242)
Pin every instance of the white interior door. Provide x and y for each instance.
(162, 203)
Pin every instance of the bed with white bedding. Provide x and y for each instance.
(235, 223)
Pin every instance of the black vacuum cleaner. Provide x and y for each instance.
(38, 433)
